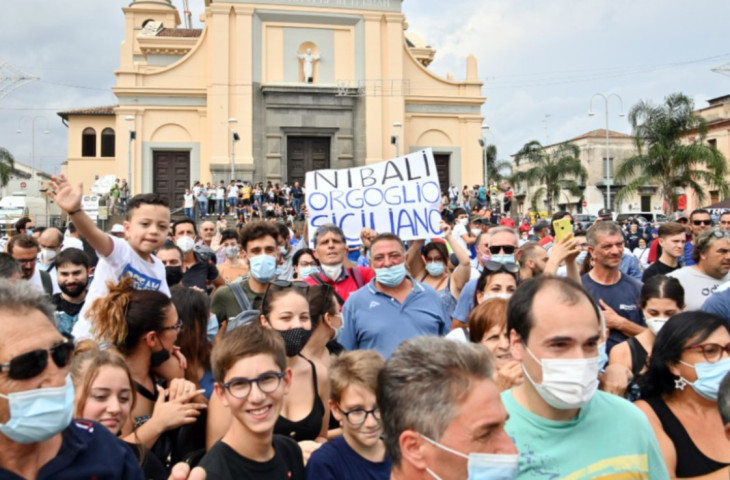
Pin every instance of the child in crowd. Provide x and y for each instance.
(251, 379)
(146, 228)
(360, 452)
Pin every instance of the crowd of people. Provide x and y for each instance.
(491, 351)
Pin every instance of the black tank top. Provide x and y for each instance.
(638, 356)
(690, 461)
(310, 426)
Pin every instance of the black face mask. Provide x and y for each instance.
(74, 290)
(173, 275)
(159, 357)
(294, 340)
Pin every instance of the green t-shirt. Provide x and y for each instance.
(610, 438)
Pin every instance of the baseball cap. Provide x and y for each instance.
(476, 218)
(117, 228)
(541, 225)
(604, 212)
(677, 216)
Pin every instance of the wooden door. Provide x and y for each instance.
(171, 176)
(305, 154)
(442, 167)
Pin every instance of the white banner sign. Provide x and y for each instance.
(401, 196)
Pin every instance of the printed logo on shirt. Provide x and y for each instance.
(628, 308)
(373, 304)
(706, 292)
(141, 281)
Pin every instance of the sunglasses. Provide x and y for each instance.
(31, 364)
(276, 285)
(508, 267)
(701, 222)
(508, 249)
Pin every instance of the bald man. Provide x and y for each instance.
(50, 242)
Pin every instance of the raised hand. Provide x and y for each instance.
(64, 194)
(445, 227)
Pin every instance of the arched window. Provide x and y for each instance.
(107, 142)
(88, 142)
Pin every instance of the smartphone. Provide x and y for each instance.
(562, 228)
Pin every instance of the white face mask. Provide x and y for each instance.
(487, 296)
(48, 255)
(332, 271)
(655, 324)
(185, 243)
(464, 221)
(566, 383)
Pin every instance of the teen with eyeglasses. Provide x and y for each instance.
(711, 255)
(252, 380)
(359, 454)
(679, 394)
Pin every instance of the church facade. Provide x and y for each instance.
(271, 89)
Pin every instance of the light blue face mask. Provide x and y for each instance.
(504, 258)
(212, 329)
(279, 270)
(37, 415)
(305, 272)
(484, 466)
(391, 276)
(709, 376)
(435, 269)
(263, 267)
(602, 355)
(581, 256)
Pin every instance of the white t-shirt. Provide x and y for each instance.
(232, 191)
(220, 193)
(189, 200)
(457, 232)
(458, 335)
(123, 261)
(697, 286)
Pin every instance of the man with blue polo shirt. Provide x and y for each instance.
(393, 307)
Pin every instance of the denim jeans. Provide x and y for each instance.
(189, 213)
(203, 208)
(220, 206)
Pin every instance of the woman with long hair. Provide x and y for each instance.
(679, 391)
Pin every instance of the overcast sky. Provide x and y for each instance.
(541, 61)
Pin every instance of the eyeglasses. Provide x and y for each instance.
(711, 351)
(702, 222)
(177, 327)
(240, 387)
(31, 364)
(508, 249)
(508, 267)
(358, 416)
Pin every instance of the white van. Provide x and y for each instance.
(19, 204)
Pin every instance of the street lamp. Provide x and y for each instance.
(32, 138)
(234, 138)
(608, 159)
(132, 136)
(395, 139)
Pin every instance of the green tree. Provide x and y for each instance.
(7, 164)
(665, 158)
(554, 170)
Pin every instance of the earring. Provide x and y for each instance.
(680, 383)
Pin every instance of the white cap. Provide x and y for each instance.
(117, 228)
(71, 242)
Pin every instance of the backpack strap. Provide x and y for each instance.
(357, 276)
(240, 296)
(47, 282)
(322, 282)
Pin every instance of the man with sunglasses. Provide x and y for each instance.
(711, 255)
(38, 438)
(700, 220)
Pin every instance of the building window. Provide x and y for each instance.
(712, 143)
(607, 168)
(88, 142)
(107, 142)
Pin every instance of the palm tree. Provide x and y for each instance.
(664, 159)
(554, 170)
(7, 165)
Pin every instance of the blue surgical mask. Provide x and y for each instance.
(483, 466)
(212, 329)
(262, 267)
(37, 415)
(304, 272)
(602, 355)
(709, 376)
(581, 257)
(391, 276)
(435, 269)
(504, 258)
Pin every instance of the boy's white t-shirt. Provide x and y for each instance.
(122, 261)
(189, 200)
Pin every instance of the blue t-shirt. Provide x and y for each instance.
(336, 460)
(718, 303)
(375, 320)
(623, 297)
(466, 301)
(609, 438)
(88, 450)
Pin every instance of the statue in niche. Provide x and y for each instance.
(308, 60)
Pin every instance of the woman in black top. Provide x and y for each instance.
(679, 390)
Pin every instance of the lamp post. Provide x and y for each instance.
(396, 138)
(32, 139)
(609, 173)
(234, 138)
(132, 136)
